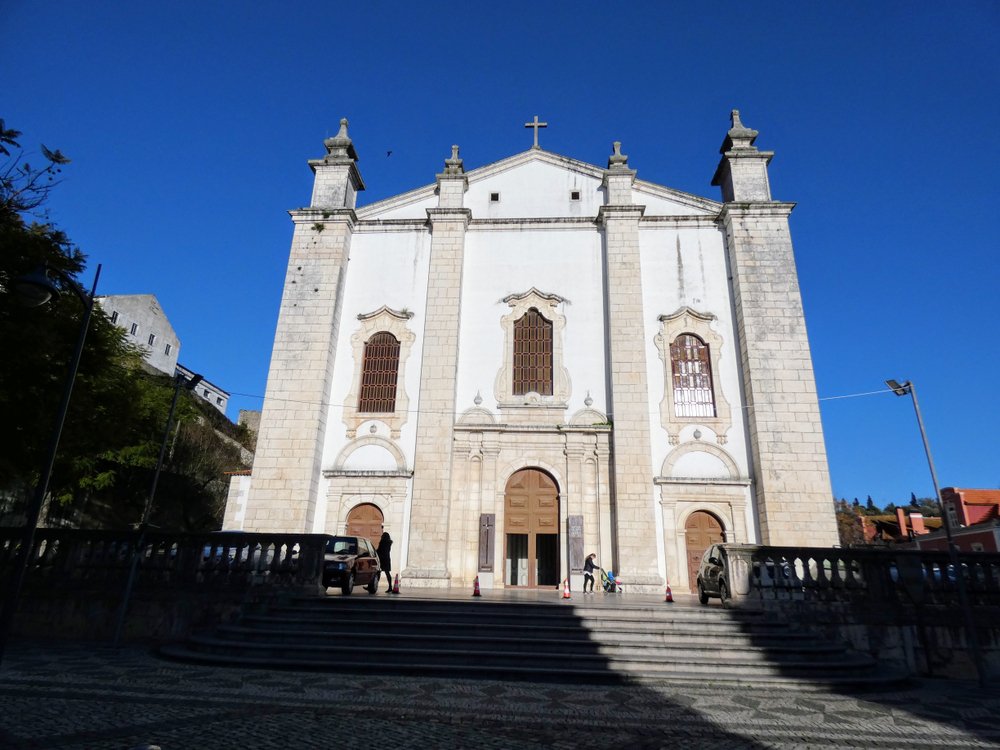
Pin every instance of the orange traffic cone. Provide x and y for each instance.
(475, 587)
(566, 589)
(395, 585)
(669, 599)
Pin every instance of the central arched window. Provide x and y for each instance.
(532, 354)
(692, 377)
(379, 373)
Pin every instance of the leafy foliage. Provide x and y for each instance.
(117, 415)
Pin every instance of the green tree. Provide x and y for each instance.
(114, 426)
(870, 508)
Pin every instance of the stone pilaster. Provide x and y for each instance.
(432, 466)
(794, 501)
(632, 474)
(287, 466)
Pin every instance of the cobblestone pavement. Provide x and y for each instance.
(76, 696)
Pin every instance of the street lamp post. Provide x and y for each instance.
(902, 389)
(35, 290)
(180, 381)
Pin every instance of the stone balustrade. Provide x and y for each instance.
(885, 577)
(76, 579)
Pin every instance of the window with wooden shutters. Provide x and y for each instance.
(532, 354)
(692, 377)
(378, 374)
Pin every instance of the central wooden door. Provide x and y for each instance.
(702, 530)
(531, 530)
(365, 520)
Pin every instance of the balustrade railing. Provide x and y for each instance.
(99, 559)
(875, 575)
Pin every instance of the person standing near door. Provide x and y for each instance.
(384, 559)
(589, 566)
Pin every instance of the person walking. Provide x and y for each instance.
(384, 559)
(589, 566)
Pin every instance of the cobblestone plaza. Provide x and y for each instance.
(74, 696)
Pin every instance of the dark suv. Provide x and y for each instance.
(350, 560)
(712, 576)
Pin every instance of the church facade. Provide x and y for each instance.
(540, 358)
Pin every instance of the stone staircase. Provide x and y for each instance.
(605, 642)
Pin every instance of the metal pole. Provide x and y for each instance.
(963, 596)
(13, 594)
(144, 520)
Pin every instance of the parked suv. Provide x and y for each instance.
(712, 576)
(351, 560)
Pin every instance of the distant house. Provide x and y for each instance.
(975, 520)
(145, 324)
(207, 390)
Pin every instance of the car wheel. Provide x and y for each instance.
(723, 593)
(702, 596)
(372, 586)
(348, 586)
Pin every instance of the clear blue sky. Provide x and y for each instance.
(190, 123)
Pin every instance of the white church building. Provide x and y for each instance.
(517, 365)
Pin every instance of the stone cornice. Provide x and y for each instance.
(329, 473)
(463, 215)
(552, 429)
(720, 481)
(781, 209)
(619, 212)
(311, 214)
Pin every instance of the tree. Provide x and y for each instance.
(23, 187)
(114, 426)
(913, 501)
(870, 508)
(849, 526)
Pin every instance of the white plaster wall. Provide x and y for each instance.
(566, 262)
(385, 268)
(533, 190)
(659, 205)
(687, 266)
(701, 465)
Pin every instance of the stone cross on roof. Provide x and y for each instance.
(536, 125)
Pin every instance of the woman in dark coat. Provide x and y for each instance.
(384, 560)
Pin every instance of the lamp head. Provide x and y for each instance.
(193, 382)
(36, 288)
(900, 389)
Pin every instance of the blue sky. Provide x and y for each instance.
(190, 123)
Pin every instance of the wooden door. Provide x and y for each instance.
(531, 530)
(702, 531)
(365, 520)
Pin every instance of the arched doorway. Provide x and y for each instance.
(702, 530)
(365, 520)
(531, 530)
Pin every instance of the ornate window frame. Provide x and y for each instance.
(548, 305)
(394, 322)
(688, 320)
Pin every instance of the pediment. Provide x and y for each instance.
(538, 184)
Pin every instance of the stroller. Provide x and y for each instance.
(610, 583)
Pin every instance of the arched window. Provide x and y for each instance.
(532, 354)
(692, 376)
(378, 374)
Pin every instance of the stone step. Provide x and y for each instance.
(713, 632)
(806, 682)
(721, 627)
(651, 647)
(547, 641)
(367, 657)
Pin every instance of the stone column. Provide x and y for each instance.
(794, 501)
(287, 467)
(432, 465)
(632, 472)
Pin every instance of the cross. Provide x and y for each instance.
(536, 125)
